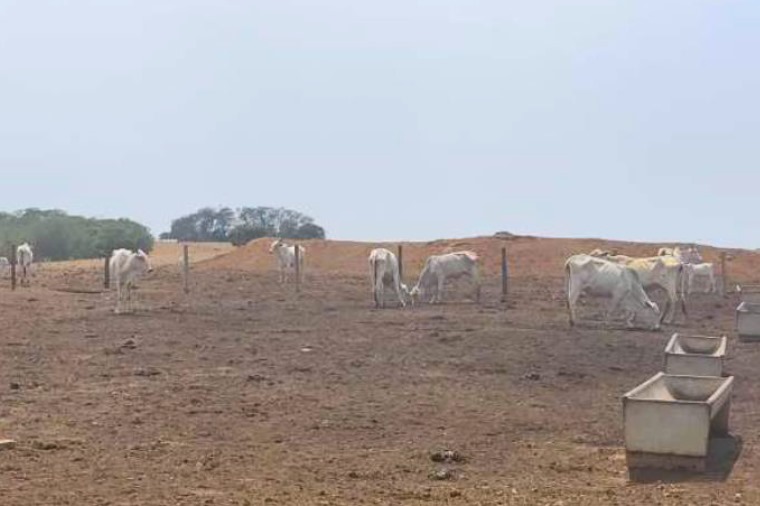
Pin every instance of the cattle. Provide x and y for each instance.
(286, 259)
(689, 255)
(125, 268)
(600, 277)
(703, 270)
(384, 270)
(24, 259)
(439, 268)
(664, 272)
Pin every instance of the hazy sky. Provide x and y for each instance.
(400, 119)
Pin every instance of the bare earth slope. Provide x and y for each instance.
(244, 393)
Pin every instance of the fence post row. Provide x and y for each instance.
(504, 275)
(186, 268)
(13, 266)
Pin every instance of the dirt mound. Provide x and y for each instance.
(528, 256)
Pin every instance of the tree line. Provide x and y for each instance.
(56, 235)
(242, 225)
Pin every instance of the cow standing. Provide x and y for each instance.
(125, 268)
(596, 276)
(439, 268)
(286, 259)
(24, 258)
(664, 272)
(384, 270)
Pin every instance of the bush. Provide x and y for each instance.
(241, 226)
(54, 235)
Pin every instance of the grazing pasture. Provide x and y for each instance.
(243, 392)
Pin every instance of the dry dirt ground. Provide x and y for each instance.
(245, 393)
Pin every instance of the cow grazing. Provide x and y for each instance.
(704, 271)
(286, 259)
(24, 259)
(665, 272)
(383, 270)
(125, 268)
(439, 268)
(600, 277)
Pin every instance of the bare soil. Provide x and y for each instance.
(244, 392)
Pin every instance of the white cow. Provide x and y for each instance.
(286, 259)
(703, 270)
(24, 258)
(664, 272)
(599, 277)
(383, 270)
(125, 268)
(438, 268)
(689, 255)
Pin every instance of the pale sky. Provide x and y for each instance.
(400, 119)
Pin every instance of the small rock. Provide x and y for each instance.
(533, 376)
(129, 344)
(148, 372)
(447, 456)
(15, 386)
(7, 444)
(442, 475)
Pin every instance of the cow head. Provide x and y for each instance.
(276, 245)
(143, 261)
(649, 313)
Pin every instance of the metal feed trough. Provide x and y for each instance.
(690, 355)
(750, 293)
(748, 321)
(669, 419)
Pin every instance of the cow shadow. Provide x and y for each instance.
(723, 454)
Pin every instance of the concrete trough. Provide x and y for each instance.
(748, 321)
(669, 420)
(692, 355)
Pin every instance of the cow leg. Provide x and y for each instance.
(476, 282)
(573, 294)
(397, 286)
(439, 289)
(612, 307)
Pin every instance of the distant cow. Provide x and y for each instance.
(664, 272)
(125, 268)
(600, 277)
(24, 259)
(286, 259)
(439, 268)
(696, 271)
(383, 270)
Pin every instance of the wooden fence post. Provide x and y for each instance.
(297, 249)
(401, 262)
(504, 275)
(13, 266)
(186, 268)
(723, 273)
(107, 273)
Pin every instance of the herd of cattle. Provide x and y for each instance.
(622, 279)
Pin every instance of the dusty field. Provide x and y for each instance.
(244, 393)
